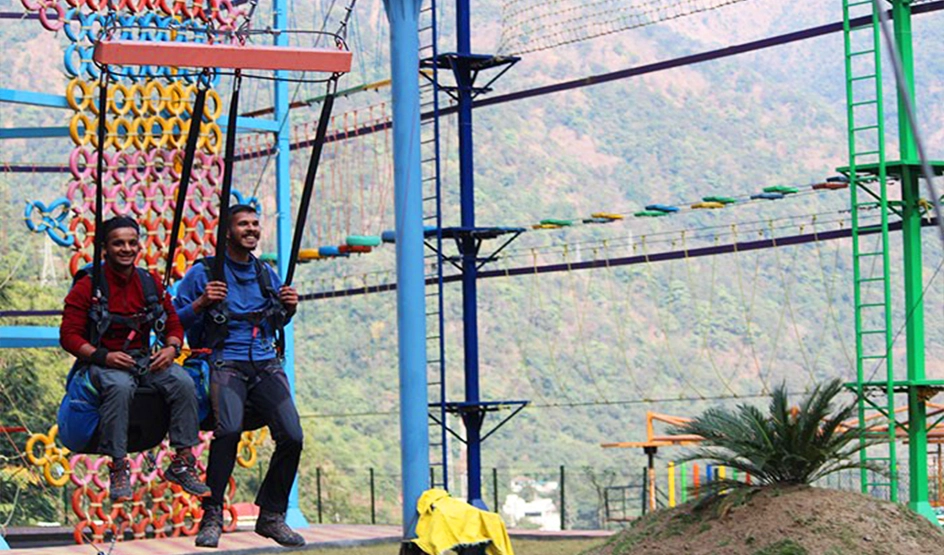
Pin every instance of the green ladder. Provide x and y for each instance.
(872, 288)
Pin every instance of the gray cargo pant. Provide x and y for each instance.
(116, 390)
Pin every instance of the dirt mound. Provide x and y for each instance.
(781, 521)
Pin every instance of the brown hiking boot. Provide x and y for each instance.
(272, 525)
(211, 526)
(119, 480)
(183, 472)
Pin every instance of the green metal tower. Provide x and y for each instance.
(869, 171)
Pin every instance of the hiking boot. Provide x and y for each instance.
(183, 472)
(272, 525)
(119, 480)
(211, 526)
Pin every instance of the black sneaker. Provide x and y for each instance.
(183, 472)
(211, 526)
(119, 480)
(272, 525)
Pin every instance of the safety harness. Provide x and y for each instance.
(152, 318)
(272, 316)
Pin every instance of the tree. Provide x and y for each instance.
(783, 447)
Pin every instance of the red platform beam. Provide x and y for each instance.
(228, 56)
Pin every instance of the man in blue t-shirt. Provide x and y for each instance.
(238, 319)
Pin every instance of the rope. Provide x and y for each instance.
(700, 324)
(620, 328)
(527, 368)
(580, 339)
(786, 306)
(662, 326)
(542, 25)
(551, 350)
(748, 312)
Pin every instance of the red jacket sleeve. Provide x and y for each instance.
(173, 327)
(73, 332)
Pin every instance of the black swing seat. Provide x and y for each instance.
(149, 421)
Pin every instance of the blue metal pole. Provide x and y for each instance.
(470, 329)
(28, 337)
(403, 16)
(283, 200)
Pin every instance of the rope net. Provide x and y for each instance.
(534, 25)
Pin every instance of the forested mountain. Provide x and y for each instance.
(592, 350)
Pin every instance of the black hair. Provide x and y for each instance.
(119, 222)
(240, 208)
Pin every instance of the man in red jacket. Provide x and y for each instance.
(118, 358)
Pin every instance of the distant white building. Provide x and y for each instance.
(540, 511)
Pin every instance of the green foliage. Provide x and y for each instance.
(780, 447)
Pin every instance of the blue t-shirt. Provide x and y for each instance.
(243, 296)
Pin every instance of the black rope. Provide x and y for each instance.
(313, 162)
(196, 121)
(227, 188)
(99, 187)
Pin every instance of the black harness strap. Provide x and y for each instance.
(227, 189)
(216, 324)
(305, 201)
(196, 121)
(153, 317)
(99, 239)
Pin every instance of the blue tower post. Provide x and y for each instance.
(403, 16)
(468, 247)
(283, 199)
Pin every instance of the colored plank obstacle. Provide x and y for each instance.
(363, 241)
(783, 189)
(226, 56)
(722, 200)
(707, 205)
(665, 208)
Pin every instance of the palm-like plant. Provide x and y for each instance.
(783, 447)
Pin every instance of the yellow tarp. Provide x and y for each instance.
(446, 523)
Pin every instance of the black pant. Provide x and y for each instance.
(116, 390)
(265, 386)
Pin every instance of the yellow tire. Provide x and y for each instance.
(31, 444)
(253, 455)
(57, 478)
(214, 106)
(122, 141)
(87, 134)
(82, 103)
(126, 99)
